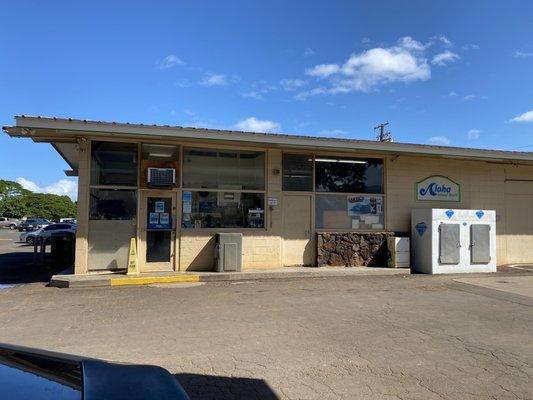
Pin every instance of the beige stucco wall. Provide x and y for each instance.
(482, 187)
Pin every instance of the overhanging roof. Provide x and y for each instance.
(57, 130)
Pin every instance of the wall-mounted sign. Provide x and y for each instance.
(438, 188)
(272, 201)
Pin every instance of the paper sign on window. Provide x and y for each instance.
(154, 218)
(159, 206)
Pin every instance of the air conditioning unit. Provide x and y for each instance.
(161, 177)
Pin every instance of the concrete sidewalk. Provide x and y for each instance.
(120, 279)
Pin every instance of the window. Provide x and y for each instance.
(213, 169)
(109, 204)
(348, 175)
(219, 209)
(349, 212)
(298, 172)
(114, 164)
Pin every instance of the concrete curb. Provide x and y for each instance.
(76, 281)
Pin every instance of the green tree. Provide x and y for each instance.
(10, 189)
(17, 202)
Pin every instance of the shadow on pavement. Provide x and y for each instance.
(17, 267)
(203, 387)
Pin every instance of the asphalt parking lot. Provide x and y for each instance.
(363, 337)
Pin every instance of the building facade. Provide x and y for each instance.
(279, 191)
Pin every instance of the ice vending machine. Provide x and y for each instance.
(445, 241)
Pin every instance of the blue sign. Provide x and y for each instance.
(480, 214)
(421, 228)
(449, 213)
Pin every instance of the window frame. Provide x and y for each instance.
(113, 186)
(183, 189)
(313, 193)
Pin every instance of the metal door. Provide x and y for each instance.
(449, 243)
(298, 243)
(157, 231)
(480, 243)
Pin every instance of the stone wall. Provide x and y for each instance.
(352, 249)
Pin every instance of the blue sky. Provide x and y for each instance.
(442, 72)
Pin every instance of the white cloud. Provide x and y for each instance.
(523, 54)
(211, 79)
(253, 124)
(323, 70)
(470, 46)
(469, 97)
(447, 42)
(63, 187)
(169, 61)
(292, 84)
(452, 94)
(439, 141)
(525, 117)
(444, 58)
(473, 134)
(403, 62)
(308, 52)
(252, 94)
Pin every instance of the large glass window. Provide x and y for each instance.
(113, 164)
(298, 172)
(108, 204)
(223, 209)
(348, 175)
(349, 212)
(214, 169)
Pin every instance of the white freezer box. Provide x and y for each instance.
(447, 241)
(398, 252)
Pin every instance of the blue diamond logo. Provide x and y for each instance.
(480, 214)
(421, 227)
(449, 213)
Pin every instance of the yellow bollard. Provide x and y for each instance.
(133, 265)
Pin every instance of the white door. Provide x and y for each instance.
(298, 243)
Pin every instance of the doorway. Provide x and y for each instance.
(157, 231)
(298, 243)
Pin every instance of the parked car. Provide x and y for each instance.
(32, 224)
(46, 232)
(10, 223)
(27, 373)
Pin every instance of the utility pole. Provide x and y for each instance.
(383, 135)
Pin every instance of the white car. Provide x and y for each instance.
(46, 232)
(10, 223)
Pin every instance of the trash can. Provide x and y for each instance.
(62, 248)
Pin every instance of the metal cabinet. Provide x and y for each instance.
(228, 252)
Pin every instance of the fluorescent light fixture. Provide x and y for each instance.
(162, 155)
(340, 160)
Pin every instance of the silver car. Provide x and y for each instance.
(10, 223)
(46, 232)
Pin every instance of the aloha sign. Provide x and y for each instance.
(438, 188)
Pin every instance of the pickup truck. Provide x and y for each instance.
(10, 223)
